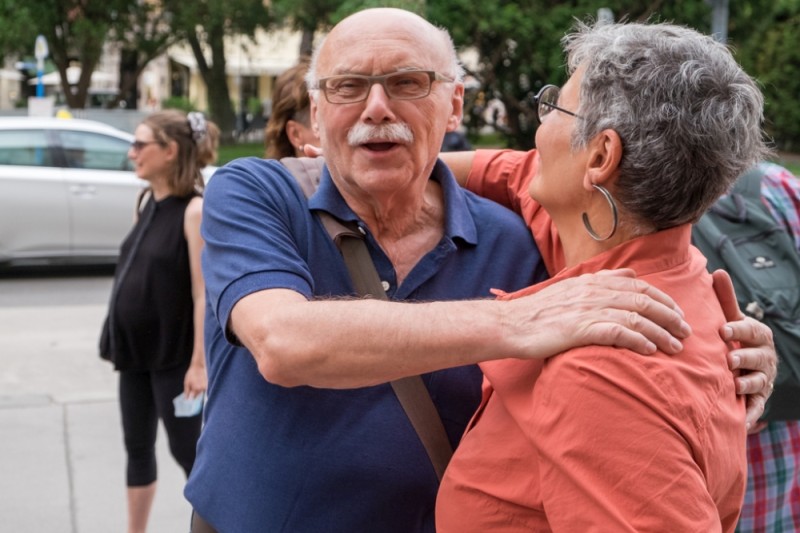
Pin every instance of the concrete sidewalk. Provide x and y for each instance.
(63, 471)
(62, 461)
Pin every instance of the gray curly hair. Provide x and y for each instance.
(689, 117)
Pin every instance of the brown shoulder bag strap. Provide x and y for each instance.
(410, 391)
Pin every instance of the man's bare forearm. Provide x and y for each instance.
(354, 343)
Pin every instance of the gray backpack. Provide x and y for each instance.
(738, 234)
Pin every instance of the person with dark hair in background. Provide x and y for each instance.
(289, 126)
(154, 330)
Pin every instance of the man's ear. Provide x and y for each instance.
(605, 155)
(293, 132)
(312, 114)
(457, 102)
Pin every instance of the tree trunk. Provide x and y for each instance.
(89, 56)
(307, 42)
(81, 95)
(129, 71)
(220, 107)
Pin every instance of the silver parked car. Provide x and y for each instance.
(67, 191)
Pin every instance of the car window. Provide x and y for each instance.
(84, 149)
(25, 147)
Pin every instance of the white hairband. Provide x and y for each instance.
(198, 125)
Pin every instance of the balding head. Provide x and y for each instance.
(370, 26)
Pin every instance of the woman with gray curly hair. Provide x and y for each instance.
(653, 125)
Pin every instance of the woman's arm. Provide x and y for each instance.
(196, 380)
(459, 163)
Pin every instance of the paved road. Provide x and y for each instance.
(61, 456)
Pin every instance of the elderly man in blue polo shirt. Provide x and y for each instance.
(302, 431)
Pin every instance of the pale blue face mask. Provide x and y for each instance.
(186, 407)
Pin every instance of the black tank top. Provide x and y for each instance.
(153, 323)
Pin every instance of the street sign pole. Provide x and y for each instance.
(719, 19)
(41, 51)
(40, 105)
(39, 73)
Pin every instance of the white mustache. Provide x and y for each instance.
(398, 132)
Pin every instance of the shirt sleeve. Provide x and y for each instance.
(608, 459)
(503, 176)
(781, 192)
(254, 215)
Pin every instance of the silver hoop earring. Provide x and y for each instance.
(615, 220)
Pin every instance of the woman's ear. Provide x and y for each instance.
(605, 154)
(171, 150)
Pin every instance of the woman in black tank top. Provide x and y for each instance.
(154, 331)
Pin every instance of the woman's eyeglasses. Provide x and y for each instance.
(137, 146)
(546, 102)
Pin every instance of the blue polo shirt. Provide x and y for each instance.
(305, 459)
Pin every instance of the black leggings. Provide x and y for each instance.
(144, 397)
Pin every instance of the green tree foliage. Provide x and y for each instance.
(765, 35)
(519, 49)
(518, 45)
(517, 42)
(204, 24)
(75, 31)
(313, 16)
(306, 16)
(18, 27)
(777, 64)
(144, 33)
(518, 53)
